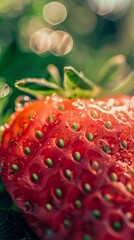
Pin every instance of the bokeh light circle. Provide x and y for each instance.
(54, 13)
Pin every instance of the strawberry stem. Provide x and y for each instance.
(114, 78)
(77, 85)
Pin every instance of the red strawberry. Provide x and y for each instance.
(69, 166)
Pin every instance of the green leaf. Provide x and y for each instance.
(73, 79)
(37, 87)
(116, 77)
(13, 226)
(77, 85)
(112, 71)
(125, 87)
(54, 75)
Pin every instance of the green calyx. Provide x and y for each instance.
(76, 85)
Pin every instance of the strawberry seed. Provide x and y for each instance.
(124, 144)
(95, 165)
(35, 177)
(27, 150)
(108, 125)
(132, 171)
(107, 197)
(49, 162)
(116, 226)
(90, 136)
(61, 143)
(106, 149)
(87, 187)
(94, 114)
(39, 134)
(129, 187)
(15, 167)
(77, 156)
(61, 107)
(96, 213)
(128, 215)
(113, 177)
(58, 193)
(67, 223)
(68, 173)
(86, 237)
(48, 207)
(78, 204)
(74, 126)
(50, 119)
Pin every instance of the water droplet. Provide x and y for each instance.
(79, 104)
(130, 103)
(21, 101)
(2, 128)
(4, 90)
(54, 95)
(47, 98)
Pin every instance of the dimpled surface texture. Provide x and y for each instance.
(69, 166)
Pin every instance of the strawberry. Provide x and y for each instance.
(68, 164)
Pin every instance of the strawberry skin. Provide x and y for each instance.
(69, 166)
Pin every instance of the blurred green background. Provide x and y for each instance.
(83, 34)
